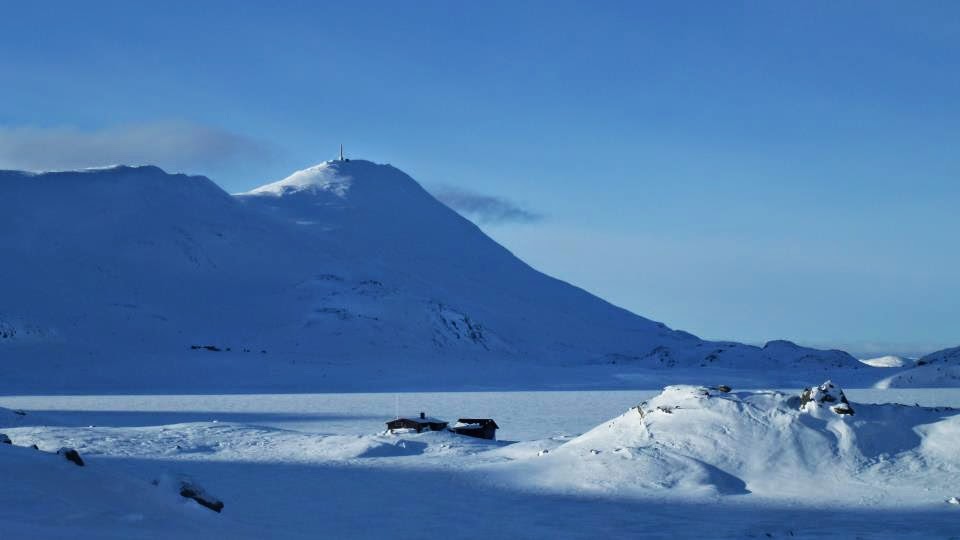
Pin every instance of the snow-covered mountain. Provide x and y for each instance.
(344, 275)
(937, 369)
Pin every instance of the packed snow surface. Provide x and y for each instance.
(782, 464)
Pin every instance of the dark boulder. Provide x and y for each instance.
(195, 492)
(4, 439)
(71, 455)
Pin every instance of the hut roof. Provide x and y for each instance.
(424, 420)
(416, 419)
(479, 422)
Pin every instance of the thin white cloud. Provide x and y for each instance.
(182, 146)
(485, 209)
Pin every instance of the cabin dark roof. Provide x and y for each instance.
(419, 424)
(478, 421)
(418, 420)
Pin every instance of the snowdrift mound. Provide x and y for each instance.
(935, 370)
(48, 496)
(705, 441)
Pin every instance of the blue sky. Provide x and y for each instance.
(741, 170)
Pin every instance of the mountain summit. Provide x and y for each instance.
(345, 275)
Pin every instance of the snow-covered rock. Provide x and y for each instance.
(935, 370)
(826, 397)
(699, 441)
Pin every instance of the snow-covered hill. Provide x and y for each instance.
(937, 369)
(345, 275)
(888, 361)
(813, 448)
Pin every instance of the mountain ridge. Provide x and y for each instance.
(343, 268)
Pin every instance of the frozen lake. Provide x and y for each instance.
(522, 415)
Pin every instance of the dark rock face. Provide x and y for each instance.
(4, 439)
(71, 455)
(192, 491)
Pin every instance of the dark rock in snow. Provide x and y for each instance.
(843, 409)
(192, 491)
(4, 439)
(71, 455)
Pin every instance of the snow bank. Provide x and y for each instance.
(46, 496)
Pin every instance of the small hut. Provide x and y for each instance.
(481, 428)
(419, 423)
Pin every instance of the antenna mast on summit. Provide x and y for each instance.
(341, 152)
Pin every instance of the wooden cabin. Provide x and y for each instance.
(481, 428)
(419, 423)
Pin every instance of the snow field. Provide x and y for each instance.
(697, 459)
